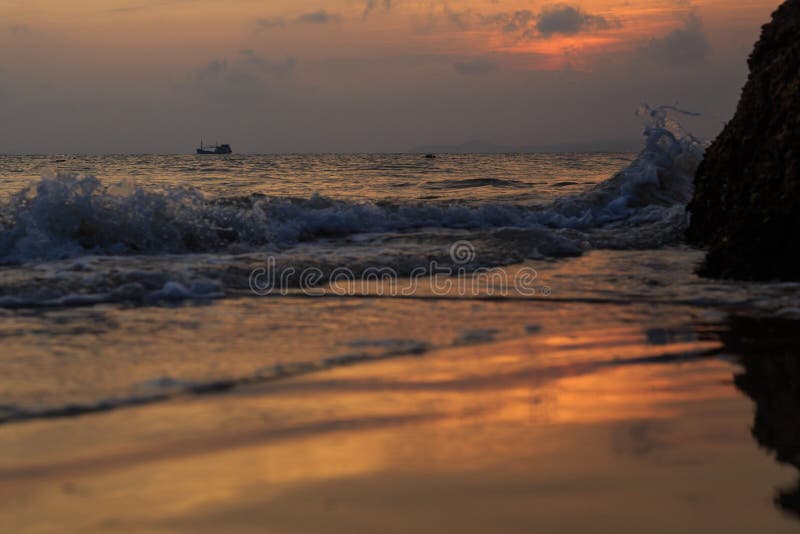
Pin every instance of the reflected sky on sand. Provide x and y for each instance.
(598, 430)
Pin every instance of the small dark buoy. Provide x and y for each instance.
(430, 156)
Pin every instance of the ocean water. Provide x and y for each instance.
(534, 320)
(204, 221)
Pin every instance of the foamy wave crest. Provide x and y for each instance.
(661, 177)
(65, 216)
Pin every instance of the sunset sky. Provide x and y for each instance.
(109, 76)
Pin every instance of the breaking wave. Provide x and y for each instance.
(66, 216)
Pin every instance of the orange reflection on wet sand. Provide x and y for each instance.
(491, 437)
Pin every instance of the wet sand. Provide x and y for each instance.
(598, 431)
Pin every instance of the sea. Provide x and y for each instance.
(136, 280)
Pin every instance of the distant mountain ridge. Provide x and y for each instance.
(485, 147)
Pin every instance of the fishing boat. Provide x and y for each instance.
(214, 149)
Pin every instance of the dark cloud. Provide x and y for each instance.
(475, 66)
(313, 17)
(687, 45)
(567, 20)
(551, 20)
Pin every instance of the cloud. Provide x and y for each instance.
(551, 20)
(317, 17)
(686, 45)
(314, 17)
(372, 5)
(246, 72)
(146, 5)
(213, 71)
(440, 16)
(476, 66)
(518, 21)
(460, 19)
(266, 66)
(274, 22)
(567, 20)
(512, 22)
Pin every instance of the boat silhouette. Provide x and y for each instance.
(214, 149)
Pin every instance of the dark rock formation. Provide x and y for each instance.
(746, 205)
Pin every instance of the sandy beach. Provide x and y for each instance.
(604, 429)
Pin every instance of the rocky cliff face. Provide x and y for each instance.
(746, 205)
